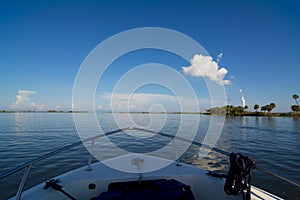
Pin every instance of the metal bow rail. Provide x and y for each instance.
(28, 165)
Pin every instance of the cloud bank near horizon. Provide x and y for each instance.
(150, 102)
(205, 66)
(23, 101)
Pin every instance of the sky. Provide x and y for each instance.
(252, 52)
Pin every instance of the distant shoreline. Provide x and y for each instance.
(33, 111)
(262, 114)
(254, 114)
(288, 114)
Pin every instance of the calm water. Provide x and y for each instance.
(273, 142)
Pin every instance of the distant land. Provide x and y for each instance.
(218, 111)
(34, 111)
(59, 111)
(230, 110)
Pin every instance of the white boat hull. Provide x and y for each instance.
(77, 182)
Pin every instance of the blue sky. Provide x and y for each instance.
(43, 44)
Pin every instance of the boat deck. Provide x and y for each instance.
(77, 182)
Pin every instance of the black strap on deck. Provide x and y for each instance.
(53, 184)
(239, 175)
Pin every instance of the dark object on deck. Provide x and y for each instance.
(53, 184)
(239, 175)
(161, 189)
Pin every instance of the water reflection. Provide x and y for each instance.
(18, 120)
(257, 121)
(24, 122)
(269, 121)
(245, 120)
(296, 123)
(212, 161)
(296, 128)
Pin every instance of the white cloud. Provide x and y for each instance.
(144, 102)
(57, 107)
(23, 101)
(204, 66)
(219, 57)
(99, 107)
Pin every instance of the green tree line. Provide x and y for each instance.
(239, 110)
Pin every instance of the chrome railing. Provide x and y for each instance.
(28, 165)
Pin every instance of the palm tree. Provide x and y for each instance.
(229, 109)
(256, 107)
(272, 105)
(295, 108)
(269, 108)
(295, 96)
(263, 108)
